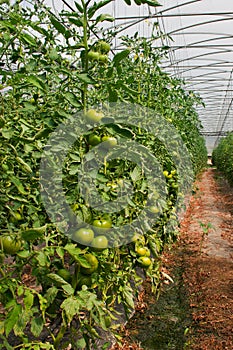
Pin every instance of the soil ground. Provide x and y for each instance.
(195, 311)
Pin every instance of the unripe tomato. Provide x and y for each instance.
(103, 47)
(102, 225)
(9, 245)
(103, 58)
(145, 261)
(84, 280)
(100, 242)
(94, 139)
(83, 236)
(93, 261)
(15, 217)
(93, 56)
(109, 141)
(142, 251)
(65, 274)
(93, 116)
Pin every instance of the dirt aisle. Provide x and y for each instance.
(196, 311)
(208, 273)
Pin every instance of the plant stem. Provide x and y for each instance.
(85, 62)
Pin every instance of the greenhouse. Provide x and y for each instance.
(116, 182)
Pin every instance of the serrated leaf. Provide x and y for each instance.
(68, 289)
(120, 56)
(37, 325)
(33, 233)
(71, 306)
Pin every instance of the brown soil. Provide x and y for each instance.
(204, 252)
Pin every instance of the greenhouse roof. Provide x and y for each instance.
(199, 41)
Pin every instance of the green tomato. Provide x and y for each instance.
(139, 238)
(102, 225)
(94, 139)
(142, 251)
(15, 217)
(83, 236)
(84, 280)
(93, 56)
(109, 141)
(65, 274)
(145, 261)
(9, 245)
(93, 116)
(103, 47)
(103, 58)
(153, 209)
(100, 242)
(93, 262)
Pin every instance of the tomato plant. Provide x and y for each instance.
(222, 156)
(54, 67)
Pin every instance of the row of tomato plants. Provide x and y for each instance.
(56, 66)
(222, 156)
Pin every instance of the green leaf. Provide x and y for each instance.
(86, 78)
(135, 174)
(7, 133)
(18, 184)
(33, 233)
(68, 289)
(27, 38)
(24, 165)
(12, 318)
(72, 99)
(56, 278)
(78, 6)
(28, 299)
(97, 5)
(51, 294)
(151, 3)
(77, 21)
(37, 325)
(24, 254)
(72, 306)
(120, 56)
(81, 344)
(128, 2)
(60, 28)
(42, 258)
(37, 82)
(104, 17)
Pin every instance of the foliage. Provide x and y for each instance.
(222, 156)
(47, 76)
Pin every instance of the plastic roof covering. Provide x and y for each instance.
(200, 50)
